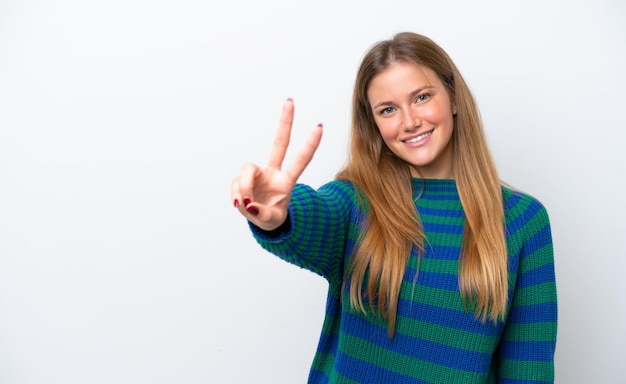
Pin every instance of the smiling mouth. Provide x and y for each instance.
(418, 137)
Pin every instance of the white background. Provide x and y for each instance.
(123, 122)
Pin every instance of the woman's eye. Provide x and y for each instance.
(386, 111)
(423, 97)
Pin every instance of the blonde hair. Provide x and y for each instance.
(393, 225)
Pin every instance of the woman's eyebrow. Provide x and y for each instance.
(412, 94)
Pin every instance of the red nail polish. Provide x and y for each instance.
(236, 203)
(253, 210)
(246, 201)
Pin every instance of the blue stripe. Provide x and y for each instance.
(455, 213)
(513, 199)
(317, 377)
(461, 320)
(535, 313)
(539, 240)
(515, 224)
(433, 279)
(350, 244)
(539, 275)
(328, 342)
(445, 228)
(333, 302)
(518, 350)
(524, 218)
(440, 252)
(364, 372)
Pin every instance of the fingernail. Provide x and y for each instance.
(321, 125)
(246, 201)
(236, 203)
(253, 210)
(289, 99)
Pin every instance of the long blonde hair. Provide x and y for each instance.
(393, 225)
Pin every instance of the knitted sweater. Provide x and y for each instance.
(436, 339)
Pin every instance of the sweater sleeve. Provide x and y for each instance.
(317, 231)
(526, 351)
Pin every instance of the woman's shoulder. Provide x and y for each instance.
(522, 206)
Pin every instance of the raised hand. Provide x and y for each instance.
(262, 193)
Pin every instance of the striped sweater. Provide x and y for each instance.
(436, 340)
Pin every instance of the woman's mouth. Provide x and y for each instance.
(418, 138)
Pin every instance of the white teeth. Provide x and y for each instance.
(418, 138)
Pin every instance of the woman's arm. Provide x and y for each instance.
(526, 351)
(316, 230)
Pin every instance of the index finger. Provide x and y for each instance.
(281, 140)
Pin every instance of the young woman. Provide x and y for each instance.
(437, 272)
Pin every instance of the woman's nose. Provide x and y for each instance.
(412, 120)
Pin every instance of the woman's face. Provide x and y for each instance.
(414, 115)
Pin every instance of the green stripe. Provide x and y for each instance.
(442, 219)
(537, 294)
(539, 258)
(527, 370)
(450, 267)
(432, 296)
(451, 337)
(443, 239)
(539, 331)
